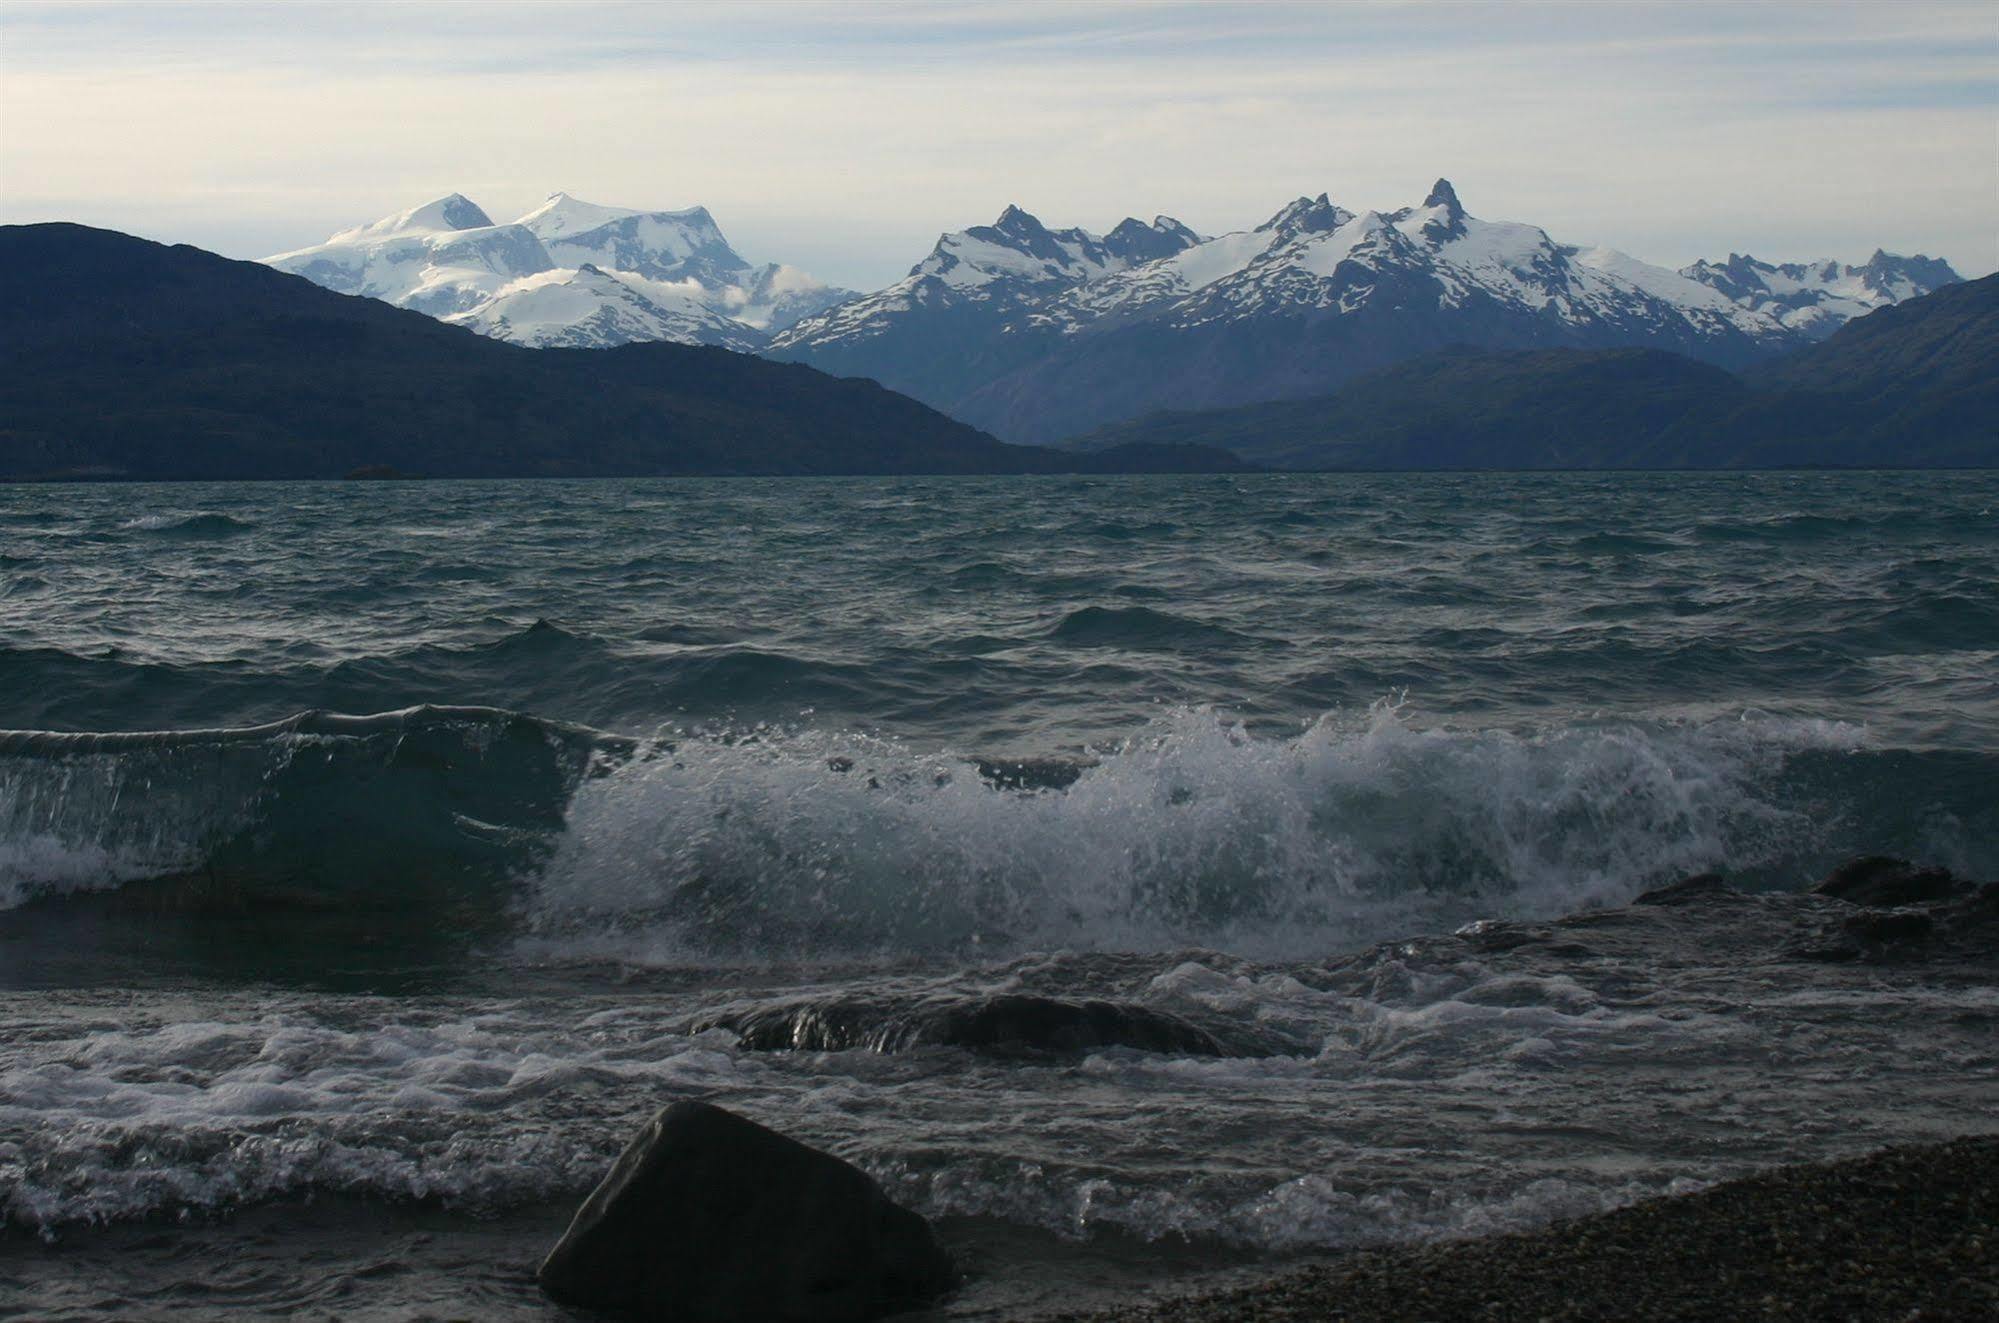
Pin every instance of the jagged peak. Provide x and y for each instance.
(1134, 241)
(1933, 267)
(1307, 215)
(1017, 220)
(1925, 273)
(1443, 195)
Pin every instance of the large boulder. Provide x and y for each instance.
(710, 1218)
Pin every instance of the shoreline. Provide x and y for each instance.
(1909, 1232)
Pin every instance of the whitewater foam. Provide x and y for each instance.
(807, 842)
(201, 523)
(1193, 832)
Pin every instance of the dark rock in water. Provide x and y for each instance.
(1010, 1024)
(1904, 913)
(813, 1026)
(1045, 1024)
(1702, 886)
(1493, 935)
(710, 1218)
(1496, 936)
(1879, 880)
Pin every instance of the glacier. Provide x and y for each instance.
(568, 274)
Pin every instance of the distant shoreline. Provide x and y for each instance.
(108, 480)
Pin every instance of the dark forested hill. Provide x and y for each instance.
(1915, 384)
(122, 358)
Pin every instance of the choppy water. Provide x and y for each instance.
(399, 842)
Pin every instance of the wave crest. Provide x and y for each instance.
(1192, 833)
(320, 807)
(824, 844)
(206, 523)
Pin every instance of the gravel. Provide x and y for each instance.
(1909, 1233)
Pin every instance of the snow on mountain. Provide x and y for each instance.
(1817, 298)
(1033, 332)
(1312, 256)
(589, 308)
(443, 257)
(1318, 257)
(660, 245)
(1019, 247)
(564, 215)
(1036, 333)
(999, 268)
(569, 273)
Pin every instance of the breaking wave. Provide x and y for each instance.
(199, 525)
(799, 842)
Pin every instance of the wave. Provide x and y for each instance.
(827, 844)
(1600, 544)
(1192, 833)
(541, 666)
(203, 524)
(319, 809)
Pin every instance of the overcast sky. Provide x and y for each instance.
(845, 137)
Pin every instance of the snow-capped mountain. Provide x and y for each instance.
(569, 273)
(1038, 334)
(1817, 298)
(1012, 264)
(441, 258)
(589, 308)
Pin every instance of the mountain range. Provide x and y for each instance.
(1912, 384)
(569, 274)
(123, 358)
(1037, 334)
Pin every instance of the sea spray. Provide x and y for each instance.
(1192, 831)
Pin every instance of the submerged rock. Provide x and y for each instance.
(1881, 881)
(1898, 912)
(711, 1218)
(1700, 887)
(1046, 1024)
(1007, 1025)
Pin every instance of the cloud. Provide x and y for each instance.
(843, 138)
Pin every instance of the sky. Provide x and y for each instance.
(844, 137)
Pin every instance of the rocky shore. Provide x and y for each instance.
(1909, 1233)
